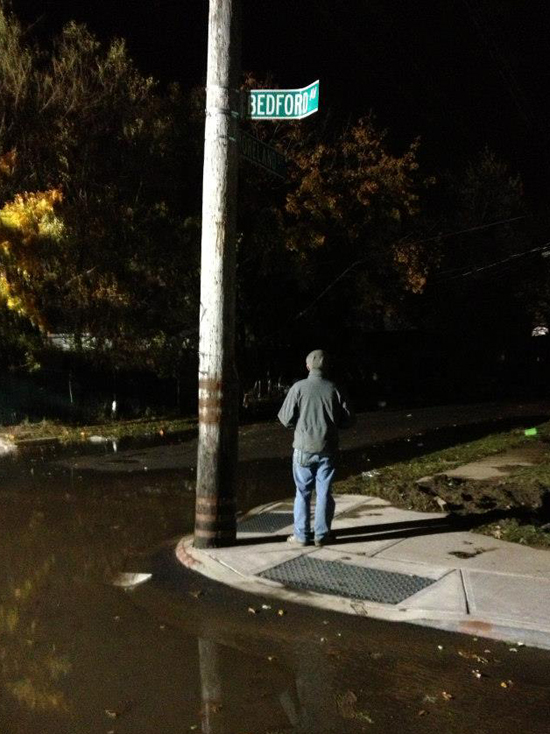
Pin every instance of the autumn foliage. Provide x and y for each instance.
(28, 226)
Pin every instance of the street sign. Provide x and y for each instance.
(263, 155)
(283, 104)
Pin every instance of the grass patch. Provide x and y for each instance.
(396, 482)
(65, 433)
(514, 531)
(520, 502)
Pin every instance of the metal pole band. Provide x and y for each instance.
(212, 524)
(209, 539)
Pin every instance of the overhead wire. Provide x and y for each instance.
(488, 266)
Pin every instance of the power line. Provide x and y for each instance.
(473, 271)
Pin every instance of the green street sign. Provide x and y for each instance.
(262, 155)
(283, 104)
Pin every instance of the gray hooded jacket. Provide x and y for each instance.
(316, 409)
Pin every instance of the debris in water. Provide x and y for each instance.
(7, 447)
(129, 580)
(447, 696)
(98, 439)
(252, 610)
(281, 612)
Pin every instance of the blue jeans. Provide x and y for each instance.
(313, 471)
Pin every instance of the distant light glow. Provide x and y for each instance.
(540, 331)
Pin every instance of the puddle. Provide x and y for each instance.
(178, 653)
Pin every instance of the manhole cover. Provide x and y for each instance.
(342, 579)
(266, 522)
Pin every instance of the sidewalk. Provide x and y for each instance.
(390, 564)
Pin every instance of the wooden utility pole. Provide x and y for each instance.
(215, 515)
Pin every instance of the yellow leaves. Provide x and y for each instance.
(24, 222)
(32, 215)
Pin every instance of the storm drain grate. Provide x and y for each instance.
(353, 582)
(266, 522)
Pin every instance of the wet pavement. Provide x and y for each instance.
(181, 653)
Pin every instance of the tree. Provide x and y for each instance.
(340, 224)
(481, 215)
(79, 119)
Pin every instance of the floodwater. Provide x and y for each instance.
(179, 653)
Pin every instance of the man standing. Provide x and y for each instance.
(316, 409)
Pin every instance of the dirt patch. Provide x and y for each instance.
(469, 496)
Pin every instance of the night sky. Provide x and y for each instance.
(459, 73)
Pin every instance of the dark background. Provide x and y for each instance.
(461, 74)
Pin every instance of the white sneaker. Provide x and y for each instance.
(293, 540)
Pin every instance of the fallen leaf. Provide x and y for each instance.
(473, 656)
(196, 594)
(251, 610)
(281, 612)
(447, 696)
(112, 714)
(422, 712)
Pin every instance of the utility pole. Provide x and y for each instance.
(215, 512)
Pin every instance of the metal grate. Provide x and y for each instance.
(266, 522)
(342, 579)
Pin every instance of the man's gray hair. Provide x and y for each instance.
(317, 360)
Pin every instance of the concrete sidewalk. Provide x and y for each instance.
(390, 564)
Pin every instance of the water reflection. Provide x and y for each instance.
(178, 653)
(211, 687)
(305, 703)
